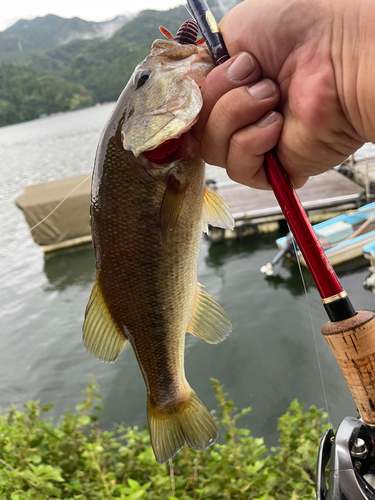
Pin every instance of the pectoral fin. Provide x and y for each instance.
(209, 321)
(215, 211)
(101, 336)
(171, 207)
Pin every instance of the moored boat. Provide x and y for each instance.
(343, 238)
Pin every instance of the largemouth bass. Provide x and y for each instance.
(148, 205)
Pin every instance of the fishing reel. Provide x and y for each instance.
(351, 458)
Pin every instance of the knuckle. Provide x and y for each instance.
(242, 144)
(214, 86)
(233, 106)
(209, 153)
(242, 159)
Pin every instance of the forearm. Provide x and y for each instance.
(353, 54)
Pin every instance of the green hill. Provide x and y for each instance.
(26, 94)
(105, 68)
(90, 70)
(50, 31)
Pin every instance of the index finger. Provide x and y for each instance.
(242, 69)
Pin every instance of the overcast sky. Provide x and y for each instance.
(11, 11)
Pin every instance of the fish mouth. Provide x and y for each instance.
(170, 150)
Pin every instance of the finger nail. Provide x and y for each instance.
(267, 120)
(241, 68)
(263, 90)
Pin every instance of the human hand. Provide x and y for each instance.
(297, 44)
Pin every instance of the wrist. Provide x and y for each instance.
(353, 50)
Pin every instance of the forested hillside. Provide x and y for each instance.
(25, 94)
(104, 68)
(80, 73)
(43, 33)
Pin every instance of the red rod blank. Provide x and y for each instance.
(315, 258)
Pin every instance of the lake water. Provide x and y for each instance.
(269, 359)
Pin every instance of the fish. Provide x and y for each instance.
(149, 204)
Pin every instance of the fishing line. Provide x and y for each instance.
(313, 330)
(184, 4)
(61, 202)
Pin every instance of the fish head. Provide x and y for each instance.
(163, 99)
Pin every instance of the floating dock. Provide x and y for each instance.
(323, 197)
(362, 171)
(64, 207)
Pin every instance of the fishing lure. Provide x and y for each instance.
(186, 35)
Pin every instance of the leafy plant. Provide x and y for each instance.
(25, 94)
(74, 459)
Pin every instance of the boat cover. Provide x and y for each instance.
(68, 221)
(335, 232)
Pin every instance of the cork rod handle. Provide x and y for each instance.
(353, 343)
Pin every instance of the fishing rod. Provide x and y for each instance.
(350, 334)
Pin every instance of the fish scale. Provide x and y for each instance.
(139, 294)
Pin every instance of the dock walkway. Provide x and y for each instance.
(322, 197)
(254, 211)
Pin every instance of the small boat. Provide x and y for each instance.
(344, 237)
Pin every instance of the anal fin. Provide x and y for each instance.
(209, 321)
(215, 211)
(101, 335)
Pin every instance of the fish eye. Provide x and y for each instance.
(143, 76)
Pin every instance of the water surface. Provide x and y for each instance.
(269, 359)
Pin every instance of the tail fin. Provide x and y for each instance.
(185, 422)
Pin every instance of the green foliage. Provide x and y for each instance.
(74, 459)
(105, 68)
(76, 74)
(79, 73)
(100, 68)
(26, 94)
